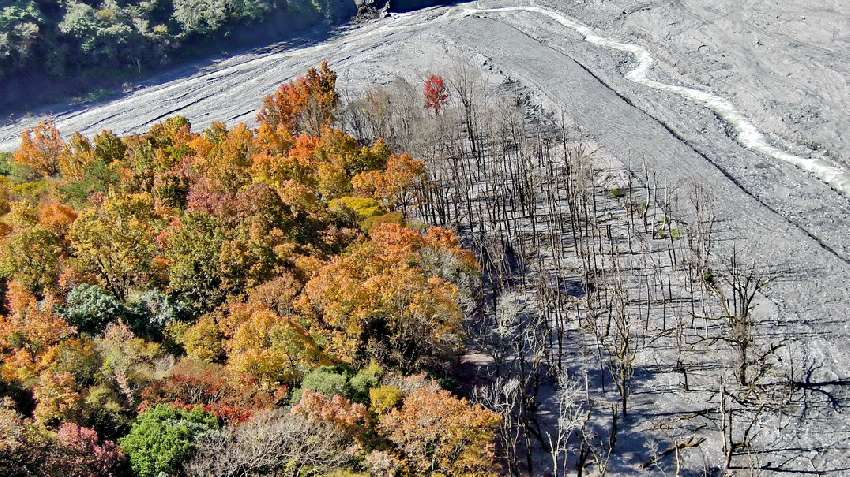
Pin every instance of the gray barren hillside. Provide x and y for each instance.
(776, 163)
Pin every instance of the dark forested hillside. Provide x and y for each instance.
(65, 37)
(74, 46)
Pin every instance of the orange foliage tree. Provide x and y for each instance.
(307, 103)
(271, 348)
(392, 186)
(436, 433)
(377, 303)
(41, 148)
(338, 410)
(28, 334)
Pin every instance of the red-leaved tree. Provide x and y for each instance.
(436, 94)
(83, 454)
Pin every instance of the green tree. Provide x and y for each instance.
(105, 35)
(250, 10)
(108, 147)
(163, 437)
(365, 379)
(327, 380)
(200, 16)
(116, 242)
(194, 250)
(96, 177)
(5, 163)
(20, 30)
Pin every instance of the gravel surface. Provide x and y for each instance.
(787, 71)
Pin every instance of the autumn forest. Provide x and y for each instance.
(232, 301)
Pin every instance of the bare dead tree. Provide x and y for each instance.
(502, 396)
(737, 291)
(572, 419)
(621, 344)
(466, 83)
(271, 443)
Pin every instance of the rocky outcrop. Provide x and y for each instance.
(368, 9)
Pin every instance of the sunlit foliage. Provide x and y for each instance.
(162, 284)
(305, 104)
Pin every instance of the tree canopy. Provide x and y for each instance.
(162, 285)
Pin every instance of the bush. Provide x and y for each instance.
(617, 193)
(365, 379)
(162, 438)
(385, 398)
(327, 380)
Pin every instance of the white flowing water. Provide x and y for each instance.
(748, 135)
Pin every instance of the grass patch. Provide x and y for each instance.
(5, 163)
(676, 233)
(617, 193)
(95, 95)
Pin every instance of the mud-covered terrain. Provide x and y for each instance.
(770, 139)
(786, 65)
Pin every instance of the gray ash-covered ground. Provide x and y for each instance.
(787, 67)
